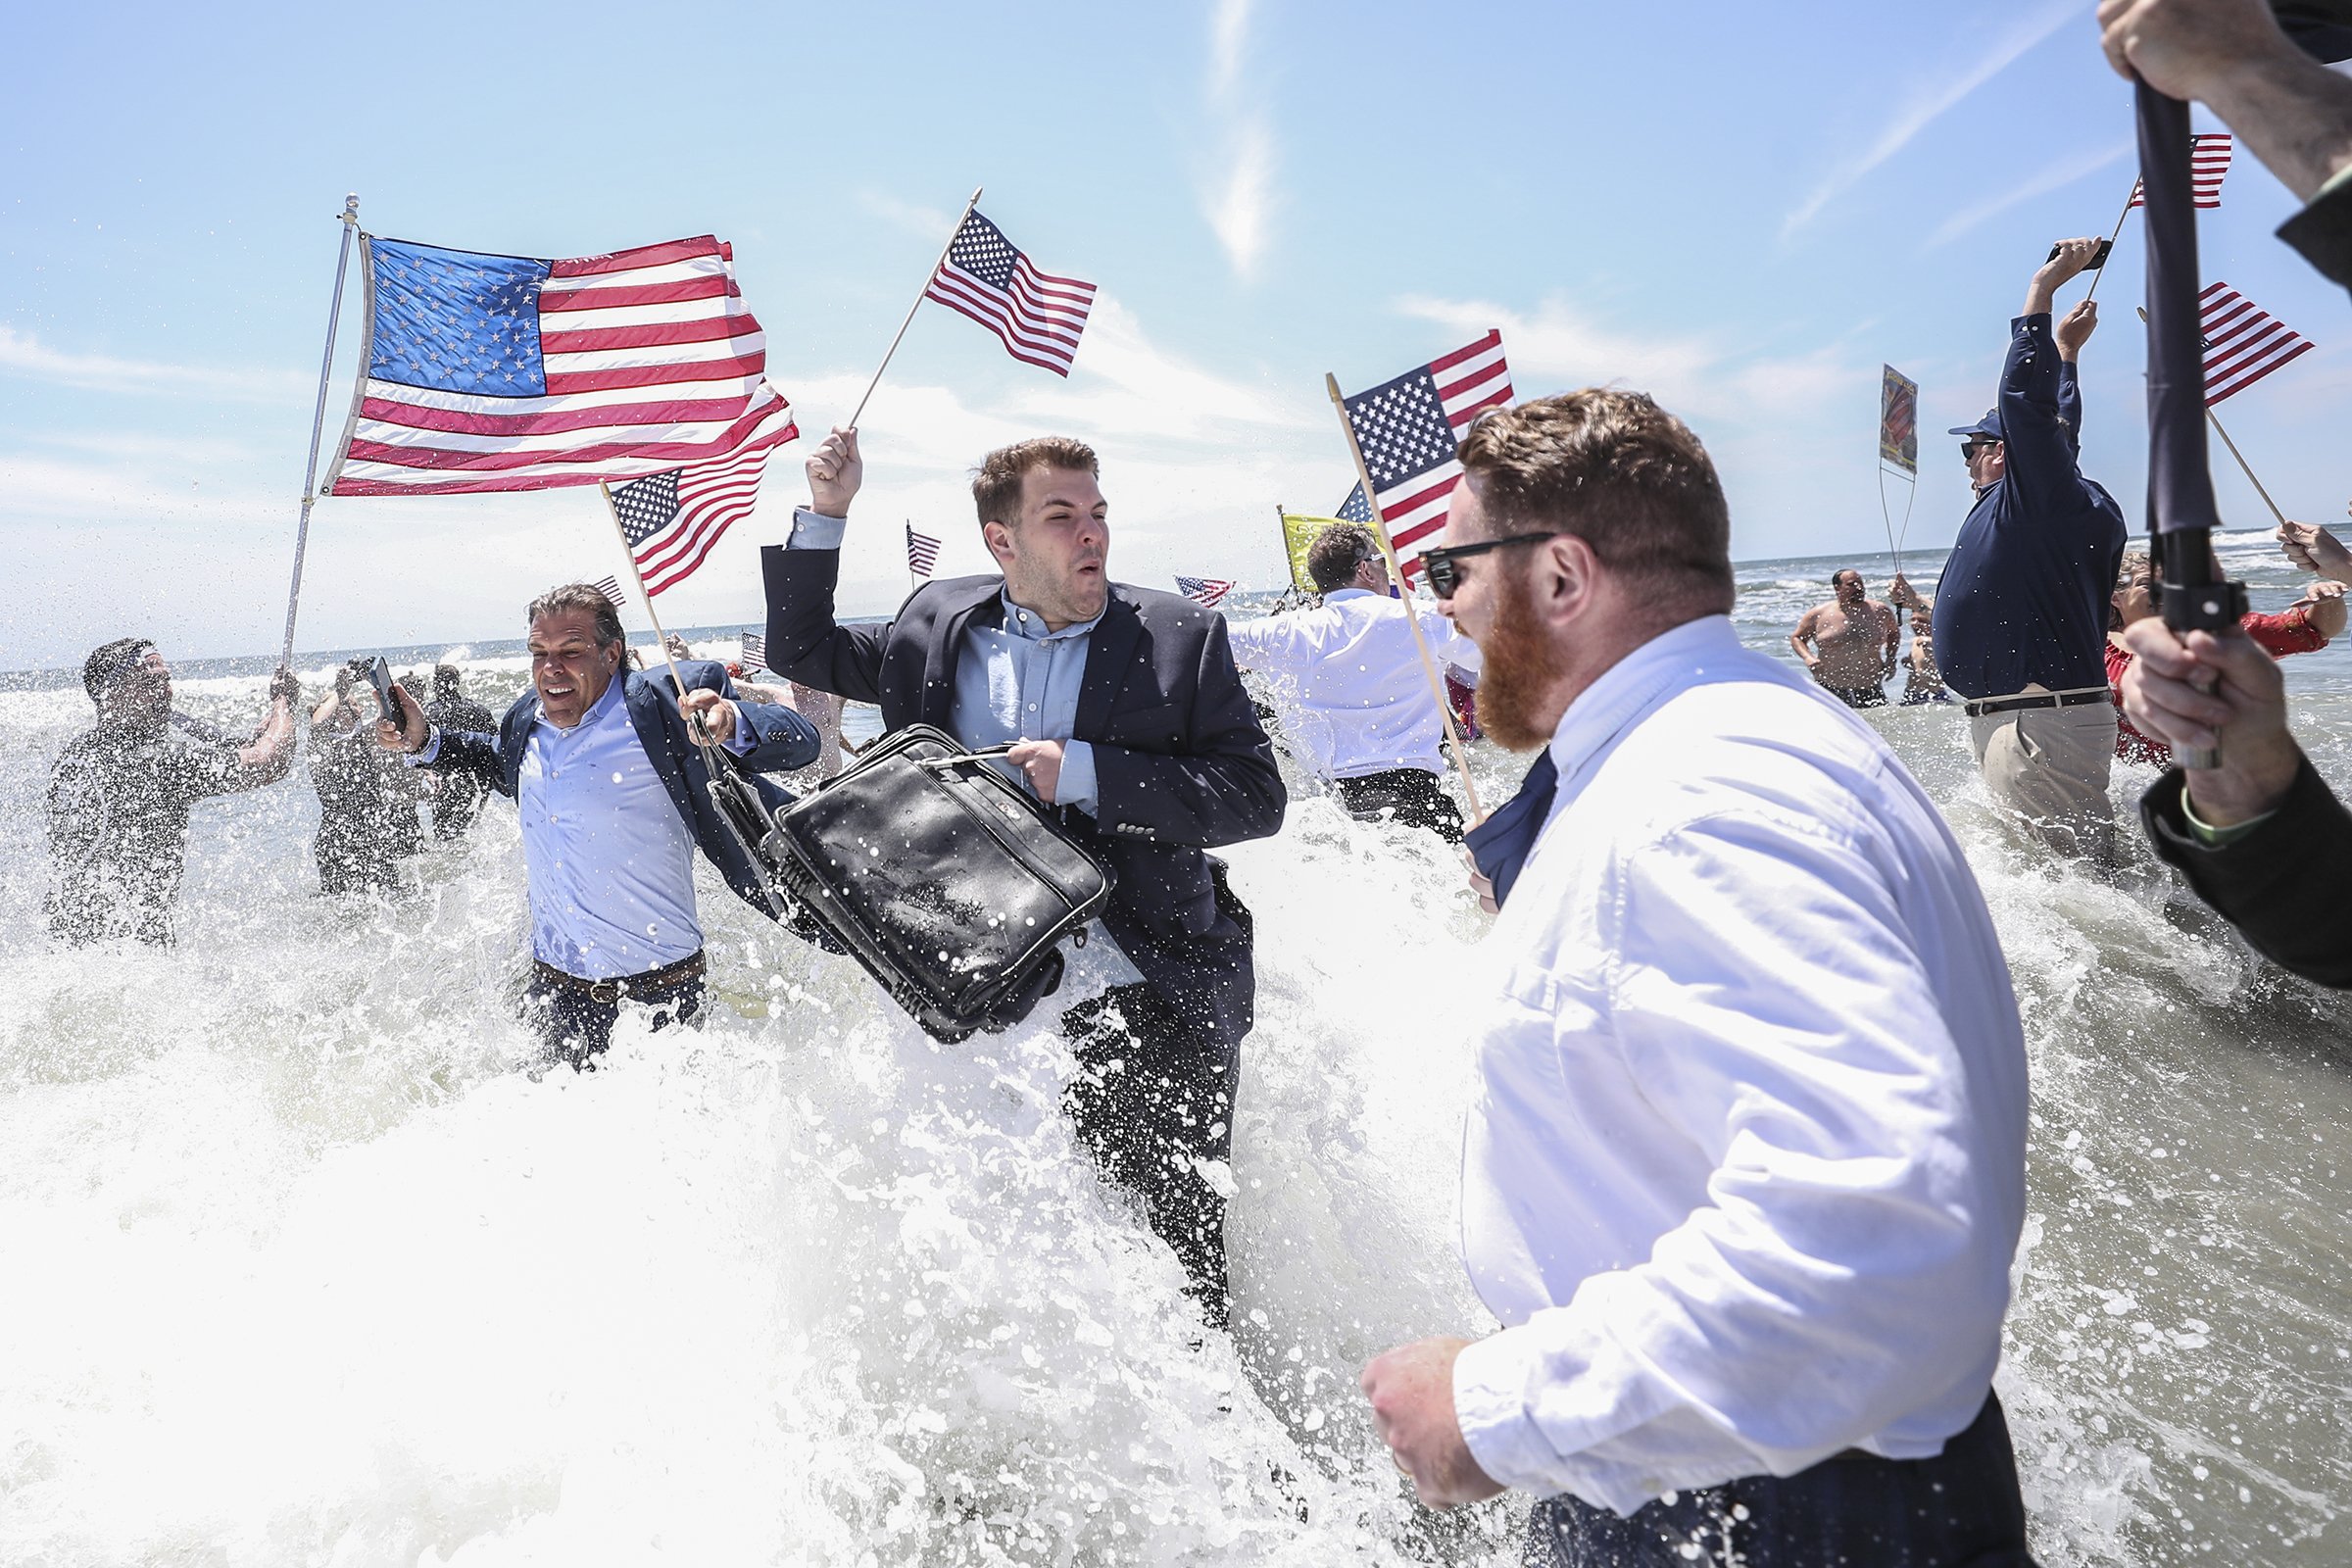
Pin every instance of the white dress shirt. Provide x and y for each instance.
(1746, 1170)
(1348, 681)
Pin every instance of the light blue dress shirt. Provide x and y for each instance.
(610, 862)
(1019, 683)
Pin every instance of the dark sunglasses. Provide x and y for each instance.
(1441, 568)
(1969, 448)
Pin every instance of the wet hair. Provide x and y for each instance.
(445, 680)
(111, 662)
(580, 595)
(1842, 571)
(1335, 553)
(997, 485)
(1617, 471)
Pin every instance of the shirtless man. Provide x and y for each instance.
(1853, 638)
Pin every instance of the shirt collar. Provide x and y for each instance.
(1029, 624)
(1629, 687)
(1349, 593)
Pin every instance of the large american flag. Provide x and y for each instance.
(1036, 315)
(1208, 591)
(2208, 163)
(2244, 343)
(1410, 429)
(507, 372)
(922, 551)
(673, 520)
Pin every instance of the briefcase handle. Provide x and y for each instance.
(985, 754)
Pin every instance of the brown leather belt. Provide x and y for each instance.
(2011, 704)
(668, 977)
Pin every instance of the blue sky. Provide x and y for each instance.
(1741, 209)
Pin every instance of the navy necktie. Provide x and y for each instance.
(1502, 844)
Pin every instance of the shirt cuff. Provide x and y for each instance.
(814, 530)
(431, 749)
(1076, 786)
(1490, 1380)
(742, 738)
(2211, 837)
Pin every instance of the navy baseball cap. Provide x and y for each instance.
(1989, 425)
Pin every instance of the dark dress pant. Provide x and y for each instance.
(1410, 794)
(1154, 1095)
(574, 1021)
(1959, 1509)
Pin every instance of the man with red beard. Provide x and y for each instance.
(1746, 1172)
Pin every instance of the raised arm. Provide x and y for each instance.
(2037, 447)
(264, 759)
(804, 641)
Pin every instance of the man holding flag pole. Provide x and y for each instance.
(642, 372)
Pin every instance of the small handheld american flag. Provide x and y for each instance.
(2244, 343)
(1409, 431)
(2208, 165)
(1035, 315)
(922, 551)
(673, 520)
(610, 587)
(1206, 591)
(754, 650)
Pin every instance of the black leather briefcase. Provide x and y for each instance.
(949, 881)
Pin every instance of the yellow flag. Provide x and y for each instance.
(1297, 536)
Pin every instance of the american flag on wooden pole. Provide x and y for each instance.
(508, 372)
(1208, 592)
(673, 520)
(1035, 315)
(922, 552)
(2244, 343)
(2208, 165)
(1408, 430)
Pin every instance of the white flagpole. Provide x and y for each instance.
(350, 218)
(916, 305)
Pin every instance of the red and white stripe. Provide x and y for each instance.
(610, 587)
(653, 361)
(713, 497)
(1038, 320)
(1207, 591)
(2208, 163)
(922, 551)
(1470, 380)
(2244, 343)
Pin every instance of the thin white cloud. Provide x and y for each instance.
(1239, 196)
(931, 223)
(22, 355)
(2059, 176)
(1930, 103)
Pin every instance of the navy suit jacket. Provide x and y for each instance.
(786, 741)
(1180, 762)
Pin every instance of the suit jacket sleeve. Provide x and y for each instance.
(2323, 232)
(474, 756)
(2280, 885)
(1220, 786)
(781, 740)
(803, 641)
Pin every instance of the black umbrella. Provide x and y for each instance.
(2180, 509)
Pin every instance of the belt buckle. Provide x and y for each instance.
(606, 992)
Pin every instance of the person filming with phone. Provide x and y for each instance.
(615, 799)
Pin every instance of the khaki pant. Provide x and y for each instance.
(2050, 765)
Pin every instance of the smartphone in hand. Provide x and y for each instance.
(379, 677)
(2098, 258)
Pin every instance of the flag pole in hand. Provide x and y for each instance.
(1412, 611)
(919, 294)
(349, 218)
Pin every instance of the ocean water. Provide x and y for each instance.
(298, 1265)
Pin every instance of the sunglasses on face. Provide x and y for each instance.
(1441, 568)
(1969, 448)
